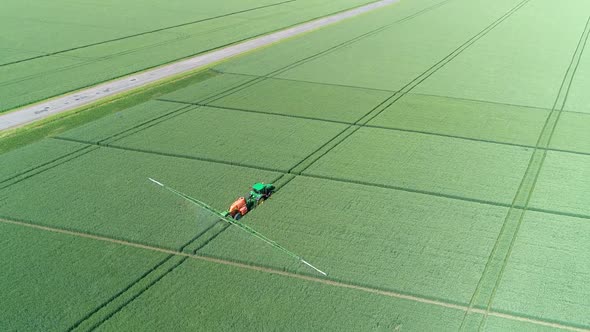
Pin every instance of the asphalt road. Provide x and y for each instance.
(75, 100)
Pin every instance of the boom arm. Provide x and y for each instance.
(240, 225)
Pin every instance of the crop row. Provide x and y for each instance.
(107, 192)
(505, 66)
(92, 55)
(420, 162)
(51, 280)
(33, 156)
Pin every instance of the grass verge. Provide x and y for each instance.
(14, 138)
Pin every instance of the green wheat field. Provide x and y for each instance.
(432, 156)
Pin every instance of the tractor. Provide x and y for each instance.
(259, 193)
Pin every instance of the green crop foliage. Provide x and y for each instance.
(235, 137)
(327, 39)
(392, 58)
(578, 97)
(107, 192)
(50, 281)
(33, 156)
(205, 297)
(447, 166)
(464, 118)
(207, 89)
(303, 99)
(119, 123)
(572, 133)
(546, 276)
(94, 23)
(387, 239)
(56, 125)
(413, 213)
(506, 64)
(8, 55)
(563, 184)
(497, 324)
(104, 46)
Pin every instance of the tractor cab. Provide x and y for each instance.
(259, 193)
(262, 189)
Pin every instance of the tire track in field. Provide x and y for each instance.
(498, 260)
(258, 79)
(128, 294)
(272, 74)
(309, 278)
(87, 61)
(235, 109)
(240, 86)
(358, 287)
(102, 313)
(38, 166)
(368, 114)
(60, 108)
(89, 323)
(302, 81)
(391, 128)
(210, 234)
(145, 33)
(79, 324)
(291, 174)
(362, 121)
(102, 142)
(48, 166)
(321, 151)
(215, 70)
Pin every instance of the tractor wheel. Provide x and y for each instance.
(237, 216)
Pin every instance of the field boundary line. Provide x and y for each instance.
(32, 169)
(272, 74)
(222, 72)
(138, 294)
(154, 269)
(119, 293)
(149, 122)
(93, 94)
(544, 140)
(444, 61)
(429, 133)
(393, 91)
(310, 278)
(387, 102)
(146, 125)
(49, 166)
(244, 110)
(465, 138)
(167, 115)
(240, 86)
(482, 101)
(524, 192)
(330, 178)
(217, 161)
(226, 226)
(144, 33)
(496, 103)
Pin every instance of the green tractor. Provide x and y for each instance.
(259, 193)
